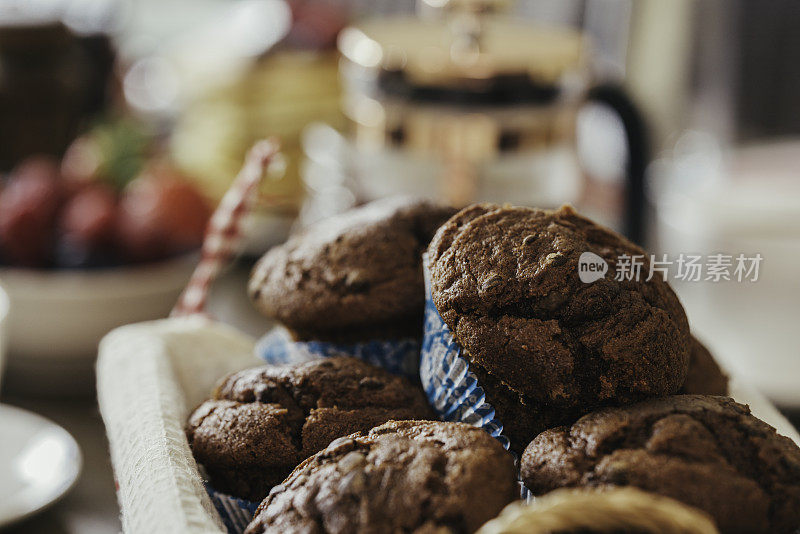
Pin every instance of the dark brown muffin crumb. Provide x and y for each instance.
(707, 452)
(705, 376)
(410, 476)
(351, 277)
(262, 422)
(548, 346)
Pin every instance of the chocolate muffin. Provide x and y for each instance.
(545, 346)
(262, 422)
(707, 452)
(705, 376)
(352, 277)
(408, 476)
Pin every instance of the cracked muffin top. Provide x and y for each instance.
(506, 282)
(707, 452)
(705, 377)
(407, 476)
(262, 422)
(351, 277)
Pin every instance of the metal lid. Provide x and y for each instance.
(464, 47)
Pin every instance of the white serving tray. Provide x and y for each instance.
(150, 375)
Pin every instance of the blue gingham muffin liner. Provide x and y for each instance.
(451, 388)
(235, 513)
(524, 493)
(399, 357)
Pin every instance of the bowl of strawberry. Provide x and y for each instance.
(86, 247)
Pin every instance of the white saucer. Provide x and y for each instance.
(39, 463)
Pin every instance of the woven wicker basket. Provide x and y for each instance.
(150, 375)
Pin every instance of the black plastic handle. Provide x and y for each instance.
(638, 144)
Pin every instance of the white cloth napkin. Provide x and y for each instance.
(149, 376)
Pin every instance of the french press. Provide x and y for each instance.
(466, 103)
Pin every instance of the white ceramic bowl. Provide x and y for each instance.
(57, 318)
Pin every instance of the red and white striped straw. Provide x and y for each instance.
(223, 235)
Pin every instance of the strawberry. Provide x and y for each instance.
(160, 214)
(28, 207)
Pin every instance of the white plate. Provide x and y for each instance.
(39, 463)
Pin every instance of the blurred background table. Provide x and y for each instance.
(91, 506)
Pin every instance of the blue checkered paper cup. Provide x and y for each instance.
(235, 513)
(399, 357)
(452, 389)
